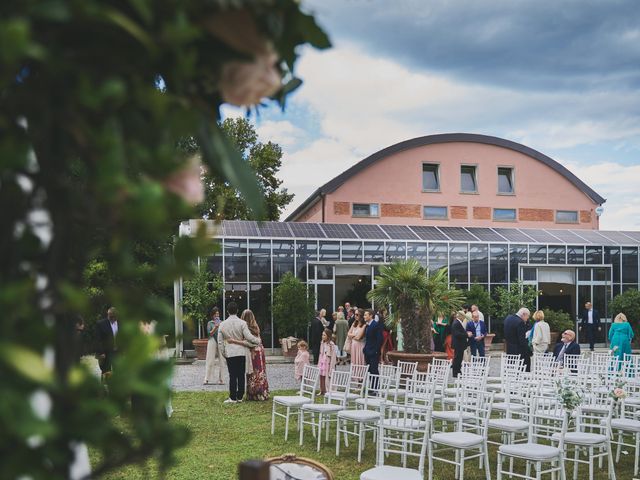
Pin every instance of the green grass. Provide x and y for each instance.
(224, 435)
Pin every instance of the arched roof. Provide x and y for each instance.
(336, 182)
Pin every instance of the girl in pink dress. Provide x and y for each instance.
(302, 359)
(328, 357)
(356, 333)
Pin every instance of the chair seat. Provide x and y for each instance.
(371, 402)
(502, 406)
(386, 472)
(632, 401)
(626, 424)
(493, 387)
(411, 424)
(322, 407)
(509, 424)
(291, 400)
(450, 391)
(581, 438)
(400, 392)
(494, 379)
(499, 397)
(338, 396)
(359, 415)
(530, 451)
(457, 439)
(450, 415)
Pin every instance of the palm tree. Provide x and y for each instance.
(415, 298)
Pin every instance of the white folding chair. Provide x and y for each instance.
(403, 430)
(322, 414)
(356, 384)
(627, 425)
(469, 440)
(293, 403)
(363, 419)
(547, 418)
(592, 435)
(405, 371)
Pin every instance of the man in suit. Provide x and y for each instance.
(478, 331)
(566, 346)
(459, 341)
(515, 329)
(107, 331)
(234, 328)
(373, 341)
(590, 322)
(315, 337)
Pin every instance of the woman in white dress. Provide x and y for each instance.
(541, 335)
(213, 352)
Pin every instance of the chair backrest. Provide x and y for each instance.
(509, 364)
(309, 384)
(631, 369)
(358, 376)
(571, 364)
(595, 420)
(406, 370)
(478, 403)
(420, 389)
(411, 424)
(338, 387)
(546, 418)
(390, 371)
(376, 387)
(440, 370)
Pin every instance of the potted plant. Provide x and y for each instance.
(415, 298)
(558, 322)
(201, 292)
(293, 308)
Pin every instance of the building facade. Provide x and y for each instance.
(339, 255)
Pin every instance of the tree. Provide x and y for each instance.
(89, 171)
(223, 200)
(293, 308)
(201, 292)
(510, 300)
(478, 295)
(628, 303)
(415, 298)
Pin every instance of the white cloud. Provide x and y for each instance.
(284, 133)
(364, 103)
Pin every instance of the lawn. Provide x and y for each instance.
(224, 435)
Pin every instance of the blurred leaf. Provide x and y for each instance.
(27, 362)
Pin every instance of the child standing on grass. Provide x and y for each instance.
(328, 357)
(302, 359)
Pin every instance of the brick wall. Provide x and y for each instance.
(482, 213)
(341, 208)
(400, 210)
(585, 216)
(459, 213)
(535, 215)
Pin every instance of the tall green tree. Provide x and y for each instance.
(89, 169)
(223, 200)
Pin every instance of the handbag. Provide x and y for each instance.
(347, 345)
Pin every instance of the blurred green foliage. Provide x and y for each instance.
(94, 98)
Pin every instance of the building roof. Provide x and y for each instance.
(415, 233)
(336, 182)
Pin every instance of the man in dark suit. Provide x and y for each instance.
(478, 331)
(315, 337)
(459, 341)
(373, 341)
(107, 331)
(515, 329)
(590, 322)
(566, 346)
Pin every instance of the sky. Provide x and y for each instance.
(561, 77)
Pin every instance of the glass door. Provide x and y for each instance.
(594, 285)
(322, 284)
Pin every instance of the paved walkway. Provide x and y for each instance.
(189, 378)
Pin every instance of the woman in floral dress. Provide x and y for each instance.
(257, 384)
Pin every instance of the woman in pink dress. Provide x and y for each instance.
(328, 357)
(356, 333)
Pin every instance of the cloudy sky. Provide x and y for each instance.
(562, 77)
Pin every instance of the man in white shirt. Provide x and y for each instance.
(234, 328)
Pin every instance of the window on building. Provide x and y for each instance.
(366, 210)
(566, 216)
(504, 214)
(468, 182)
(435, 213)
(430, 177)
(505, 180)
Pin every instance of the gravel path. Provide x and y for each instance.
(188, 378)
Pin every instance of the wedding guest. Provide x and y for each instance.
(459, 340)
(566, 346)
(341, 328)
(357, 339)
(328, 358)
(540, 333)
(620, 336)
(302, 359)
(214, 357)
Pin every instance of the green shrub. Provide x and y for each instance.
(628, 303)
(293, 307)
(558, 321)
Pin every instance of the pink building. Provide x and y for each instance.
(455, 179)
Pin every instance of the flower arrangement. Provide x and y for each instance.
(570, 394)
(618, 392)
